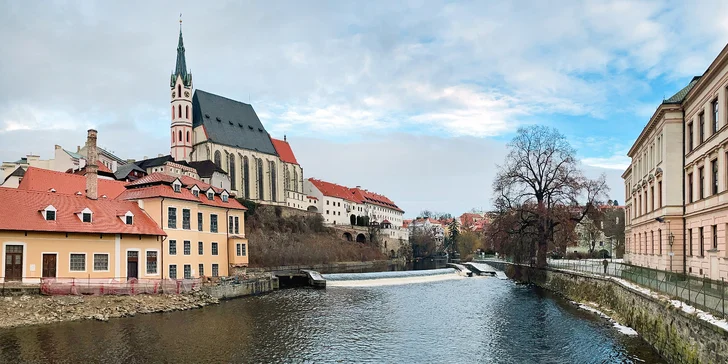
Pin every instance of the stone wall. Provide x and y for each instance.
(244, 288)
(678, 336)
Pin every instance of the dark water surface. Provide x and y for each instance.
(474, 320)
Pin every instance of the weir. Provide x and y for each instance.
(390, 278)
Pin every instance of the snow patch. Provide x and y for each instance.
(626, 330)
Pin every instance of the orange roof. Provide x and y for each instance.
(284, 151)
(37, 179)
(334, 190)
(377, 199)
(159, 185)
(20, 211)
(312, 197)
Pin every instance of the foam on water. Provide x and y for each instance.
(389, 278)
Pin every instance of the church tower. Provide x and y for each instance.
(181, 87)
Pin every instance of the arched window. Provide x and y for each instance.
(188, 136)
(179, 90)
(246, 189)
(231, 170)
(217, 158)
(273, 180)
(286, 178)
(172, 136)
(179, 111)
(187, 112)
(295, 180)
(172, 112)
(260, 178)
(180, 135)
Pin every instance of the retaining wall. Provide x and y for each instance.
(244, 288)
(678, 336)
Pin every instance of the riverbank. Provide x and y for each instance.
(680, 334)
(35, 310)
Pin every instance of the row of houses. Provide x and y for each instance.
(676, 184)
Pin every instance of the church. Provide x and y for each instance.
(209, 127)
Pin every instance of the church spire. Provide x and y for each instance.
(181, 66)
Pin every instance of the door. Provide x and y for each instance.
(49, 266)
(132, 265)
(13, 262)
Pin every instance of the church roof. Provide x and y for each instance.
(157, 162)
(284, 151)
(205, 169)
(229, 122)
(180, 68)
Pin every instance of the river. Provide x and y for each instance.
(466, 320)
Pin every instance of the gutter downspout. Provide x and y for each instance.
(682, 177)
(227, 240)
(161, 247)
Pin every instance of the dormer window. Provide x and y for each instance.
(127, 218)
(85, 215)
(210, 195)
(49, 213)
(177, 186)
(195, 191)
(224, 197)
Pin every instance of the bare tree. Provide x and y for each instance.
(538, 187)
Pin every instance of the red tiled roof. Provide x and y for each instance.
(284, 151)
(334, 190)
(37, 179)
(377, 199)
(20, 211)
(312, 197)
(148, 190)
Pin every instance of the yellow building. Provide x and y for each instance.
(205, 227)
(45, 234)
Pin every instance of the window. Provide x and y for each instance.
(129, 220)
(715, 237)
(701, 240)
(327, 212)
(196, 192)
(715, 115)
(188, 133)
(652, 242)
(187, 271)
(652, 198)
(701, 183)
(214, 249)
(186, 219)
(690, 242)
(215, 270)
(50, 215)
(201, 270)
(200, 248)
(172, 218)
(213, 223)
(177, 187)
(241, 250)
(230, 224)
(237, 225)
(199, 221)
(327, 202)
(210, 195)
(173, 271)
(218, 161)
(714, 168)
(187, 248)
(690, 187)
(180, 135)
(246, 167)
(78, 262)
(701, 125)
(260, 178)
(151, 262)
(101, 262)
(86, 217)
(173, 247)
(659, 241)
(224, 197)
(232, 172)
(659, 195)
(273, 180)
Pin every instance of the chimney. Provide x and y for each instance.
(78, 149)
(57, 147)
(92, 188)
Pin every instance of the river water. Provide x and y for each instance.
(466, 320)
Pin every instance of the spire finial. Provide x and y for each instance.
(180, 22)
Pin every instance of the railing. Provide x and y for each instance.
(700, 292)
(116, 286)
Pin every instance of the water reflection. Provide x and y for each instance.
(476, 320)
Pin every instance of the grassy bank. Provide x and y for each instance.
(276, 240)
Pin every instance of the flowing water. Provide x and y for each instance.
(435, 320)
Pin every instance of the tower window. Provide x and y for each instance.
(180, 135)
(179, 111)
(187, 112)
(179, 91)
(188, 136)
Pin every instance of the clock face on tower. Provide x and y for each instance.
(187, 94)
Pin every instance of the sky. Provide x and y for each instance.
(415, 100)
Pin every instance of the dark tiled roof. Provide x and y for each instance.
(18, 172)
(229, 122)
(680, 95)
(158, 161)
(205, 169)
(124, 170)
